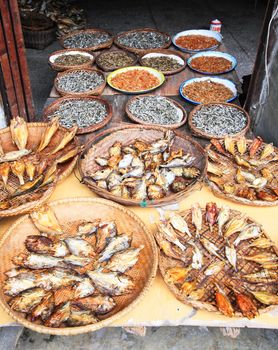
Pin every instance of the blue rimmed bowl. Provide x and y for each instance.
(226, 82)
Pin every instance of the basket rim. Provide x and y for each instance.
(52, 107)
(129, 53)
(173, 197)
(107, 44)
(59, 67)
(139, 121)
(96, 91)
(147, 29)
(202, 134)
(108, 321)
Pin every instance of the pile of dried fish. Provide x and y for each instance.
(72, 59)
(79, 81)
(155, 110)
(67, 16)
(245, 169)
(145, 171)
(84, 113)
(112, 60)
(145, 40)
(219, 120)
(70, 278)
(164, 63)
(83, 40)
(25, 173)
(218, 259)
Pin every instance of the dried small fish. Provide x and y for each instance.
(243, 162)
(168, 249)
(81, 318)
(265, 196)
(19, 283)
(176, 275)
(179, 184)
(270, 265)
(215, 169)
(250, 231)
(19, 132)
(76, 260)
(218, 146)
(27, 300)
(229, 188)
(261, 258)
(115, 245)
(69, 155)
(267, 151)
(197, 258)
(211, 214)
(230, 145)
(169, 233)
(18, 169)
(102, 161)
(246, 305)
(37, 261)
(66, 139)
(197, 218)
(28, 187)
(256, 144)
(4, 172)
(60, 315)
(191, 173)
(14, 155)
(44, 245)
(259, 182)
(30, 170)
(248, 193)
(214, 268)
(210, 247)
(223, 303)
(231, 255)
(197, 294)
(241, 145)
(44, 309)
(98, 304)
(123, 261)
(267, 173)
(179, 224)
(263, 276)
(106, 231)
(45, 220)
(188, 287)
(49, 132)
(155, 192)
(265, 297)
(223, 217)
(80, 247)
(236, 224)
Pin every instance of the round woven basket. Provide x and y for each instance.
(96, 91)
(35, 132)
(59, 67)
(167, 52)
(69, 212)
(141, 51)
(197, 132)
(110, 69)
(54, 107)
(168, 126)
(105, 45)
(99, 145)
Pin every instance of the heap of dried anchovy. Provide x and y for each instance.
(219, 120)
(162, 63)
(79, 81)
(155, 110)
(84, 40)
(143, 40)
(72, 59)
(84, 113)
(114, 60)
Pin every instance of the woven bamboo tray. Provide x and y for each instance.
(102, 67)
(96, 91)
(230, 178)
(33, 200)
(69, 212)
(59, 67)
(99, 145)
(225, 275)
(168, 126)
(167, 52)
(105, 45)
(54, 108)
(197, 132)
(141, 51)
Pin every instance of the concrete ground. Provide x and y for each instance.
(241, 26)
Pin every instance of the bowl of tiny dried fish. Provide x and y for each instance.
(142, 40)
(135, 79)
(197, 40)
(70, 59)
(33, 157)
(219, 260)
(209, 62)
(166, 61)
(75, 266)
(145, 166)
(80, 82)
(217, 120)
(115, 59)
(89, 113)
(243, 171)
(156, 110)
(206, 90)
(87, 39)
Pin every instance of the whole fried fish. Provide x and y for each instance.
(57, 278)
(19, 283)
(115, 245)
(99, 304)
(106, 231)
(27, 300)
(44, 245)
(19, 132)
(37, 261)
(111, 283)
(123, 261)
(80, 247)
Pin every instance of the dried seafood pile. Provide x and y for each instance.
(196, 42)
(218, 259)
(244, 169)
(86, 39)
(62, 12)
(71, 277)
(25, 173)
(145, 171)
(164, 63)
(145, 40)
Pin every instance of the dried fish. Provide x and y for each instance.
(267, 151)
(4, 172)
(14, 155)
(49, 132)
(250, 231)
(223, 303)
(123, 261)
(98, 304)
(236, 224)
(45, 220)
(211, 214)
(211, 247)
(197, 258)
(223, 217)
(176, 275)
(263, 276)
(27, 300)
(256, 144)
(265, 297)
(115, 245)
(170, 235)
(214, 268)
(231, 255)
(188, 287)
(246, 305)
(66, 139)
(19, 132)
(241, 145)
(197, 218)
(18, 169)
(261, 258)
(30, 170)
(230, 145)
(179, 224)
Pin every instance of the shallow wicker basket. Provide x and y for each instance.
(99, 145)
(35, 132)
(197, 132)
(141, 51)
(54, 107)
(59, 67)
(96, 91)
(112, 68)
(105, 45)
(167, 52)
(168, 126)
(69, 212)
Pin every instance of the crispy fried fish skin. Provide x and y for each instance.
(111, 283)
(45, 220)
(81, 318)
(99, 304)
(66, 139)
(123, 261)
(44, 309)
(115, 245)
(80, 247)
(60, 315)
(106, 231)
(49, 131)
(27, 300)
(19, 131)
